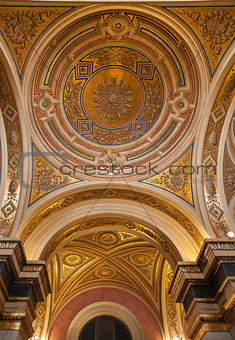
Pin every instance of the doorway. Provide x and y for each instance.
(105, 328)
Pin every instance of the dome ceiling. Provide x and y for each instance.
(116, 89)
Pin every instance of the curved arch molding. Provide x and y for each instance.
(210, 154)
(135, 196)
(143, 314)
(14, 150)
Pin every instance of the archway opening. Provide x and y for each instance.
(105, 327)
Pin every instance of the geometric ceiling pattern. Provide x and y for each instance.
(109, 105)
(111, 259)
(121, 114)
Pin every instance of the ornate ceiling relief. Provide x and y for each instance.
(122, 90)
(39, 322)
(210, 155)
(171, 310)
(153, 202)
(176, 179)
(109, 258)
(163, 244)
(45, 177)
(214, 26)
(22, 25)
(229, 177)
(14, 147)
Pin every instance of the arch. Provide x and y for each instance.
(217, 82)
(221, 184)
(59, 222)
(134, 305)
(105, 308)
(12, 117)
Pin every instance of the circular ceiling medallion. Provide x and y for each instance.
(117, 97)
(113, 105)
(108, 90)
(140, 260)
(107, 238)
(73, 259)
(105, 273)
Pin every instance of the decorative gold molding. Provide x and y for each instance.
(163, 244)
(14, 149)
(151, 201)
(210, 155)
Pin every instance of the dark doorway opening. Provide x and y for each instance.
(105, 328)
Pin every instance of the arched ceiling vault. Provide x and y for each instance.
(90, 89)
(167, 52)
(114, 258)
(150, 211)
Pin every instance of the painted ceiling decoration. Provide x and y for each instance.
(210, 154)
(177, 179)
(69, 200)
(127, 113)
(213, 26)
(111, 258)
(159, 240)
(46, 177)
(108, 104)
(21, 26)
(14, 148)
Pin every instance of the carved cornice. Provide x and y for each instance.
(206, 288)
(21, 271)
(213, 252)
(22, 285)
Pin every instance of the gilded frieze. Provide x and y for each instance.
(210, 155)
(214, 26)
(14, 149)
(117, 194)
